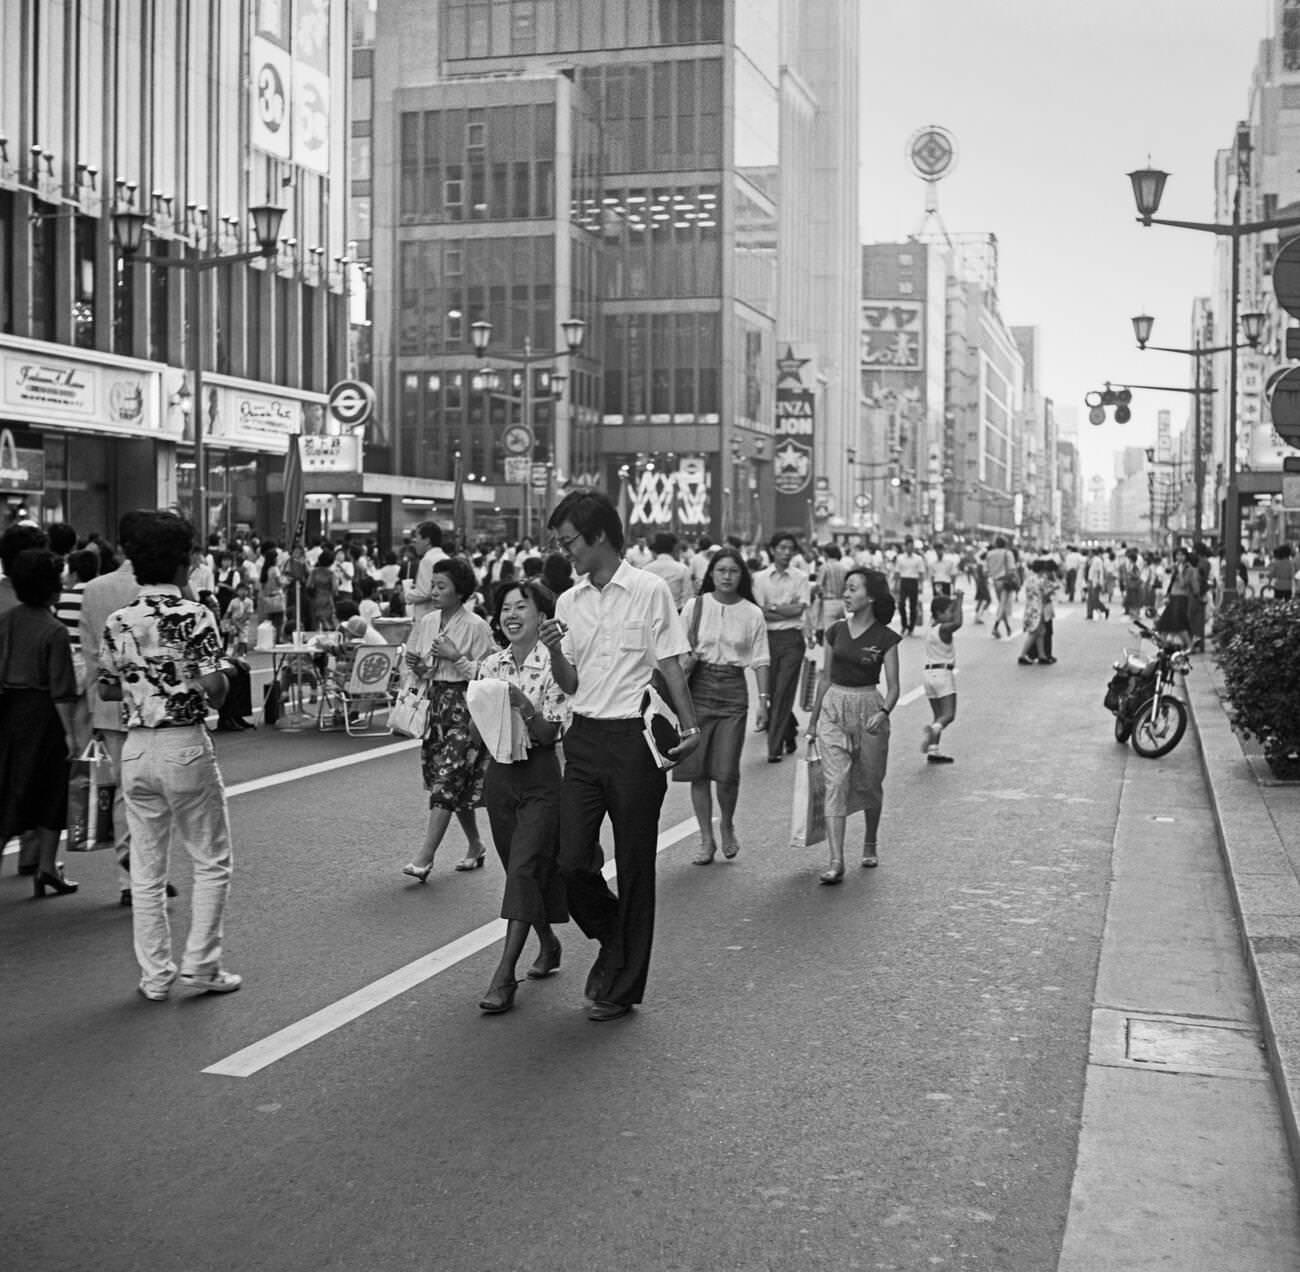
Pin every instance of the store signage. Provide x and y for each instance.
(61, 392)
(792, 456)
(258, 421)
(22, 462)
(337, 453)
(351, 402)
(661, 495)
(518, 469)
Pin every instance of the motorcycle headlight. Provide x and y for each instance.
(1135, 664)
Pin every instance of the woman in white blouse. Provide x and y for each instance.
(727, 634)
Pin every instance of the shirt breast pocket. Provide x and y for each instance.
(636, 637)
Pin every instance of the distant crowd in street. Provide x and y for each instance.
(555, 687)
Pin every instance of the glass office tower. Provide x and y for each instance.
(619, 161)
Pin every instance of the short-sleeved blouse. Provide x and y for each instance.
(468, 632)
(856, 661)
(730, 635)
(534, 678)
(36, 652)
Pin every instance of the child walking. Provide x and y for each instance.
(940, 677)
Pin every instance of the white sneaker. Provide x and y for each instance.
(211, 982)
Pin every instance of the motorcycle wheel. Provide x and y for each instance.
(1123, 726)
(1158, 726)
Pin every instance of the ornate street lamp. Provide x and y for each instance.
(128, 235)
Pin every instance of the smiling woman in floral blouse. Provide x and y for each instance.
(523, 798)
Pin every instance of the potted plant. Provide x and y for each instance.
(1259, 651)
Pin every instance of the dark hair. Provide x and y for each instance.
(431, 531)
(268, 558)
(532, 567)
(326, 558)
(1282, 551)
(127, 524)
(461, 574)
(84, 563)
(36, 574)
(664, 542)
(746, 585)
(63, 538)
(505, 571)
(160, 546)
(591, 514)
(19, 538)
(780, 537)
(832, 551)
(939, 605)
(882, 599)
(557, 573)
(534, 590)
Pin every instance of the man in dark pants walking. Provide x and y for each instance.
(782, 593)
(610, 632)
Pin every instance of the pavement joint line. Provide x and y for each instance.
(284, 1042)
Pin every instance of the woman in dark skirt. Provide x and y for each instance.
(727, 634)
(444, 651)
(36, 714)
(1175, 618)
(523, 797)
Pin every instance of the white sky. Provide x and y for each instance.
(1052, 102)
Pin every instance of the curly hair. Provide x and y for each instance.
(461, 574)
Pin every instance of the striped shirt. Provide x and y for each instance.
(68, 611)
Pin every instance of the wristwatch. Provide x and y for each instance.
(690, 733)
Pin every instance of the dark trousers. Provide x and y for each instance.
(786, 650)
(608, 770)
(909, 602)
(523, 806)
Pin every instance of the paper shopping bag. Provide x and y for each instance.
(91, 793)
(808, 681)
(808, 814)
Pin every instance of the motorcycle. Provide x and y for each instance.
(1148, 713)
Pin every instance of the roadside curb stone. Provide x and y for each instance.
(1262, 878)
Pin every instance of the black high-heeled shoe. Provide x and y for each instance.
(56, 881)
(548, 963)
(498, 999)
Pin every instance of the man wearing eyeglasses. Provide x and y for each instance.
(611, 631)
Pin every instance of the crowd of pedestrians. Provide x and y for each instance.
(534, 666)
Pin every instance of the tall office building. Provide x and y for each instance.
(188, 113)
(632, 165)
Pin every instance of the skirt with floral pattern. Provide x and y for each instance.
(452, 756)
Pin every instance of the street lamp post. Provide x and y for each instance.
(575, 331)
(1252, 326)
(128, 234)
(1148, 188)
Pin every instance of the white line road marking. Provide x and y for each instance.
(325, 766)
(284, 1042)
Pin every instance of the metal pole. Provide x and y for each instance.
(1232, 500)
(528, 424)
(1198, 460)
(194, 281)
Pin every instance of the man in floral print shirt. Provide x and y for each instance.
(161, 655)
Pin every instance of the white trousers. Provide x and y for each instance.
(174, 796)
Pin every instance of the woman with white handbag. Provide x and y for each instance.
(443, 654)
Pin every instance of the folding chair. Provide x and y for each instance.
(357, 687)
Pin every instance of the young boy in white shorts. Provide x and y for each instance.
(939, 674)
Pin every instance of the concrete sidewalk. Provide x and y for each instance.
(1258, 822)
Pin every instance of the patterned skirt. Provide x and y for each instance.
(452, 757)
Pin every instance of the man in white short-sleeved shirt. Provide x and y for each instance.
(611, 631)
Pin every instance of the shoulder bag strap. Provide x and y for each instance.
(693, 634)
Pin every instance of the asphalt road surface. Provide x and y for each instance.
(885, 1075)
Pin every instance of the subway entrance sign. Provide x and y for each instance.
(1284, 405)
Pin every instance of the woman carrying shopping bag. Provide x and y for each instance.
(728, 634)
(850, 717)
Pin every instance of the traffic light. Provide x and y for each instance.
(1119, 399)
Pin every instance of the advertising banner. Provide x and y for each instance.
(330, 453)
(270, 84)
(311, 118)
(256, 421)
(893, 334)
(792, 457)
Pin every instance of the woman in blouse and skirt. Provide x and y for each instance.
(728, 634)
(444, 651)
(523, 798)
(850, 715)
